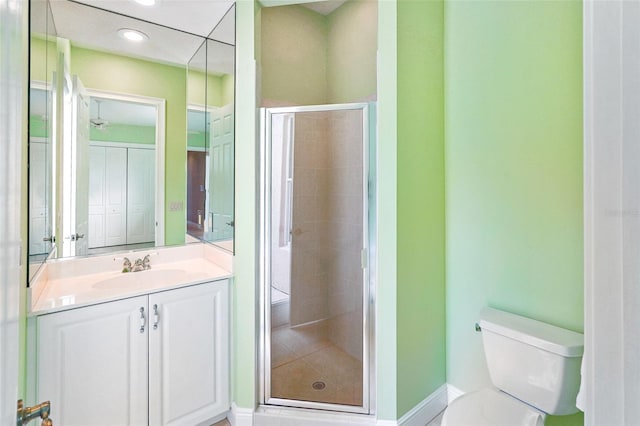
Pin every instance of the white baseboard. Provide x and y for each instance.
(420, 415)
(287, 416)
(239, 416)
(427, 409)
(453, 393)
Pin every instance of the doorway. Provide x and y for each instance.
(196, 194)
(316, 227)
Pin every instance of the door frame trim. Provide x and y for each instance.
(160, 105)
(369, 242)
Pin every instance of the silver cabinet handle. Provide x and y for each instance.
(142, 320)
(156, 317)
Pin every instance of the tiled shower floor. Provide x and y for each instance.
(303, 356)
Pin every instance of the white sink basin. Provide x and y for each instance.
(151, 276)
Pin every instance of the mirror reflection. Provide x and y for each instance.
(122, 175)
(210, 143)
(110, 146)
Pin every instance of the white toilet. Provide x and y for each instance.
(535, 367)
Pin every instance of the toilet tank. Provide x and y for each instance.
(535, 362)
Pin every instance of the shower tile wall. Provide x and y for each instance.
(326, 275)
(309, 260)
(343, 237)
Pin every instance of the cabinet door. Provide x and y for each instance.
(188, 355)
(92, 364)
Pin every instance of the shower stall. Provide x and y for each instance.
(317, 199)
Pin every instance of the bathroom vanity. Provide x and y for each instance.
(149, 347)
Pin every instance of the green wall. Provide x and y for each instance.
(386, 352)
(125, 133)
(43, 59)
(244, 380)
(513, 123)
(351, 52)
(114, 73)
(215, 87)
(420, 202)
(311, 59)
(294, 55)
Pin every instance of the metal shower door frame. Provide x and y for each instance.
(368, 245)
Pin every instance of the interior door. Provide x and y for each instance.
(196, 195)
(80, 175)
(11, 101)
(221, 172)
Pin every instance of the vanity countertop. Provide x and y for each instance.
(58, 292)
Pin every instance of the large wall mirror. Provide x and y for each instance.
(112, 126)
(210, 142)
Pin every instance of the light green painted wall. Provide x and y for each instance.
(43, 59)
(37, 127)
(114, 73)
(196, 88)
(196, 140)
(228, 89)
(420, 198)
(125, 133)
(314, 59)
(244, 381)
(294, 55)
(351, 52)
(386, 297)
(513, 124)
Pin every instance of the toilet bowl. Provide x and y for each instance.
(490, 407)
(534, 366)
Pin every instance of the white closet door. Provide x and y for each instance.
(116, 196)
(141, 196)
(97, 196)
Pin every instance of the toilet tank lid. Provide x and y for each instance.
(536, 333)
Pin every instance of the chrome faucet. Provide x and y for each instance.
(139, 265)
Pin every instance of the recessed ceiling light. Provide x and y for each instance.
(132, 35)
(146, 2)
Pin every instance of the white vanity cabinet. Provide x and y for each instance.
(159, 359)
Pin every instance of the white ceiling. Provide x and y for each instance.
(194, 16)
(97, 28)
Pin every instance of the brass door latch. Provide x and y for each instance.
(26, 414)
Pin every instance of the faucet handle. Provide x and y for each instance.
(146, 262)
(126, 265)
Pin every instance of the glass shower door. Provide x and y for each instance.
(316, 285)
